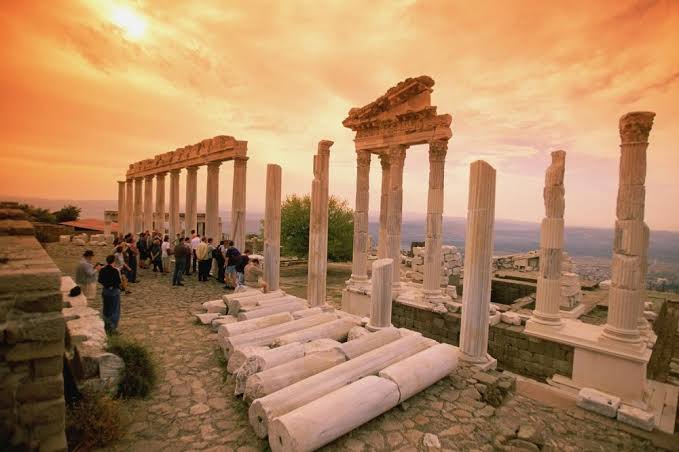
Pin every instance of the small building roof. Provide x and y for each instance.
(90, 224)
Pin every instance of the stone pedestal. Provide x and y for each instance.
(107, 224)
(272, 227)
(397, 155)
(122, 209)
(160, 203)
(212, 203)
(359, 272)
(238, 203)
(138, 205)
(147, 215)
(191, 215)
(129, 201)
(434, 240)
(477, 265)
(174, 204)
(380, 297)
(318, 227)
(382, 244)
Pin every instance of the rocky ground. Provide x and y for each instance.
(192, 407)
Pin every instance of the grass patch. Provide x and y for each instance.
(92, 422)
(140, 375)
(222, 362)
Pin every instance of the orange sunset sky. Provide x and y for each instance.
(91, 86)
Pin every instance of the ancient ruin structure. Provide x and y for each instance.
(318, 226)
(137, 213)
(400, 118)
(272, 227)
(380, 297)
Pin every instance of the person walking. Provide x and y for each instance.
(86, 275)
(180, 254)
(254, 276)
(109, 278)
(204, 259)
(165, 252)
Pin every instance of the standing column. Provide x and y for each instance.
(318, 227)
(148, 203)
(432, 247)
(359, 262)
(122, 208)
(138, 220)
(397, 155)
(272, 227)
(238, 202)
(478, 254)
(107, 223)
(548, 297)
(630, 245)
(382, 243)
(380, 296)
(174, 204)
(191, 214)
(160, 203)
(129, 201)
(212, 202)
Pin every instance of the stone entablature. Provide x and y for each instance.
(218, 149)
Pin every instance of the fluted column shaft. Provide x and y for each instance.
(240, 166)
(434, 239)
(397, 155)
(381, 294)
(174, 204)
(107, 223)
(630, 247)
(318, 227)
(272, 227)
(212, 202)
(478, 250)
(148, 204)
(382, 243)
(138, 205)
(548, 296)
(122, 207)
(191, 215)
(359, 271)
(160, 203)
(129, 201)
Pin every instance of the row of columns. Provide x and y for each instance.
(136, 212)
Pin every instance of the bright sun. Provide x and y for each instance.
(131, 23)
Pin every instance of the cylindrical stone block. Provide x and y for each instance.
(212, 203)
(380, 297)
(122, 208)
(191, 214)
(359, 270)
(160, 203)
(272, 227)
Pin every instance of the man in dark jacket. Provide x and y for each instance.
(109, 278)
(181, 253)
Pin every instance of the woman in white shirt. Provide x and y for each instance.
(165, 254)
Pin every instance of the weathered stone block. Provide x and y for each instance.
(44, 327)
(34, 350)
(47, 366)
(40, 389)
(42, 412)
(599, 402)
(636, 417)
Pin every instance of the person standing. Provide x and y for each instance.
(123, 268)
(195, 241)
(243, 261)
(156, 256)
(165, 254)
(204, 259)
(109, 278)
(132, 260)
(218, 254)
(86, 275)
(232, 258)
(180, 254)
(142, 246)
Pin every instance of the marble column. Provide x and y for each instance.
(212, 202)
(160, 203)
(272, 227)
(122, 209)
(478, 254)
(548, 297)
(238, 202)
(382, 244)
(318, 227)
(397, 155)
(630, 246)
(174, 204)
(380, 295)
(107, 223)
(359, 262)
(148, 204)
(129, 201)
(138, 205)
(191, 214)
(434, 240)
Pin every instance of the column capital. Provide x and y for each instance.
(397, 154)
(362, 158)
(384, 161)
(175, 172)
(191, 169)
(214, 165)
(240, 159)
(635, 126)
(438, 150)
(161, 174)
(324, 146)
(122, 182)
(149, 177)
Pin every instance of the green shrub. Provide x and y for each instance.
(139, 376)
(93, 422)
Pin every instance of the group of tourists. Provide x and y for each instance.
(192, 254)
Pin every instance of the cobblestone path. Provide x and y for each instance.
(193, 409)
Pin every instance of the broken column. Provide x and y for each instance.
(630, 244)
(272, 227)
(380, 297)
(122, 207)
(191, 214)
(174, 203)
(382, 245)
(138, 220)
(148, 204)
(432, 253)
(359, 264)
(478, 255)
(238, 202)
(397, 155)
(548, 297)
(212, 202)
(160, 204)
(318, 227)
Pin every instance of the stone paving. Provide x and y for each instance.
(193, 409)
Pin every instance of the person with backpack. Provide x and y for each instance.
(232, 258)
(243, 261)
(218, 255)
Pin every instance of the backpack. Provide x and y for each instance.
(216, 254)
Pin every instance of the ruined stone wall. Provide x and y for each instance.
(32, 410)
(514, 350)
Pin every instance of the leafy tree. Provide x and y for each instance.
(38, 214)
(67, 213)
(295, 213)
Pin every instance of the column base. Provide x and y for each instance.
(435, 296)
(372, 328)
(553, 320)
(621, 335)
(484, 362)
